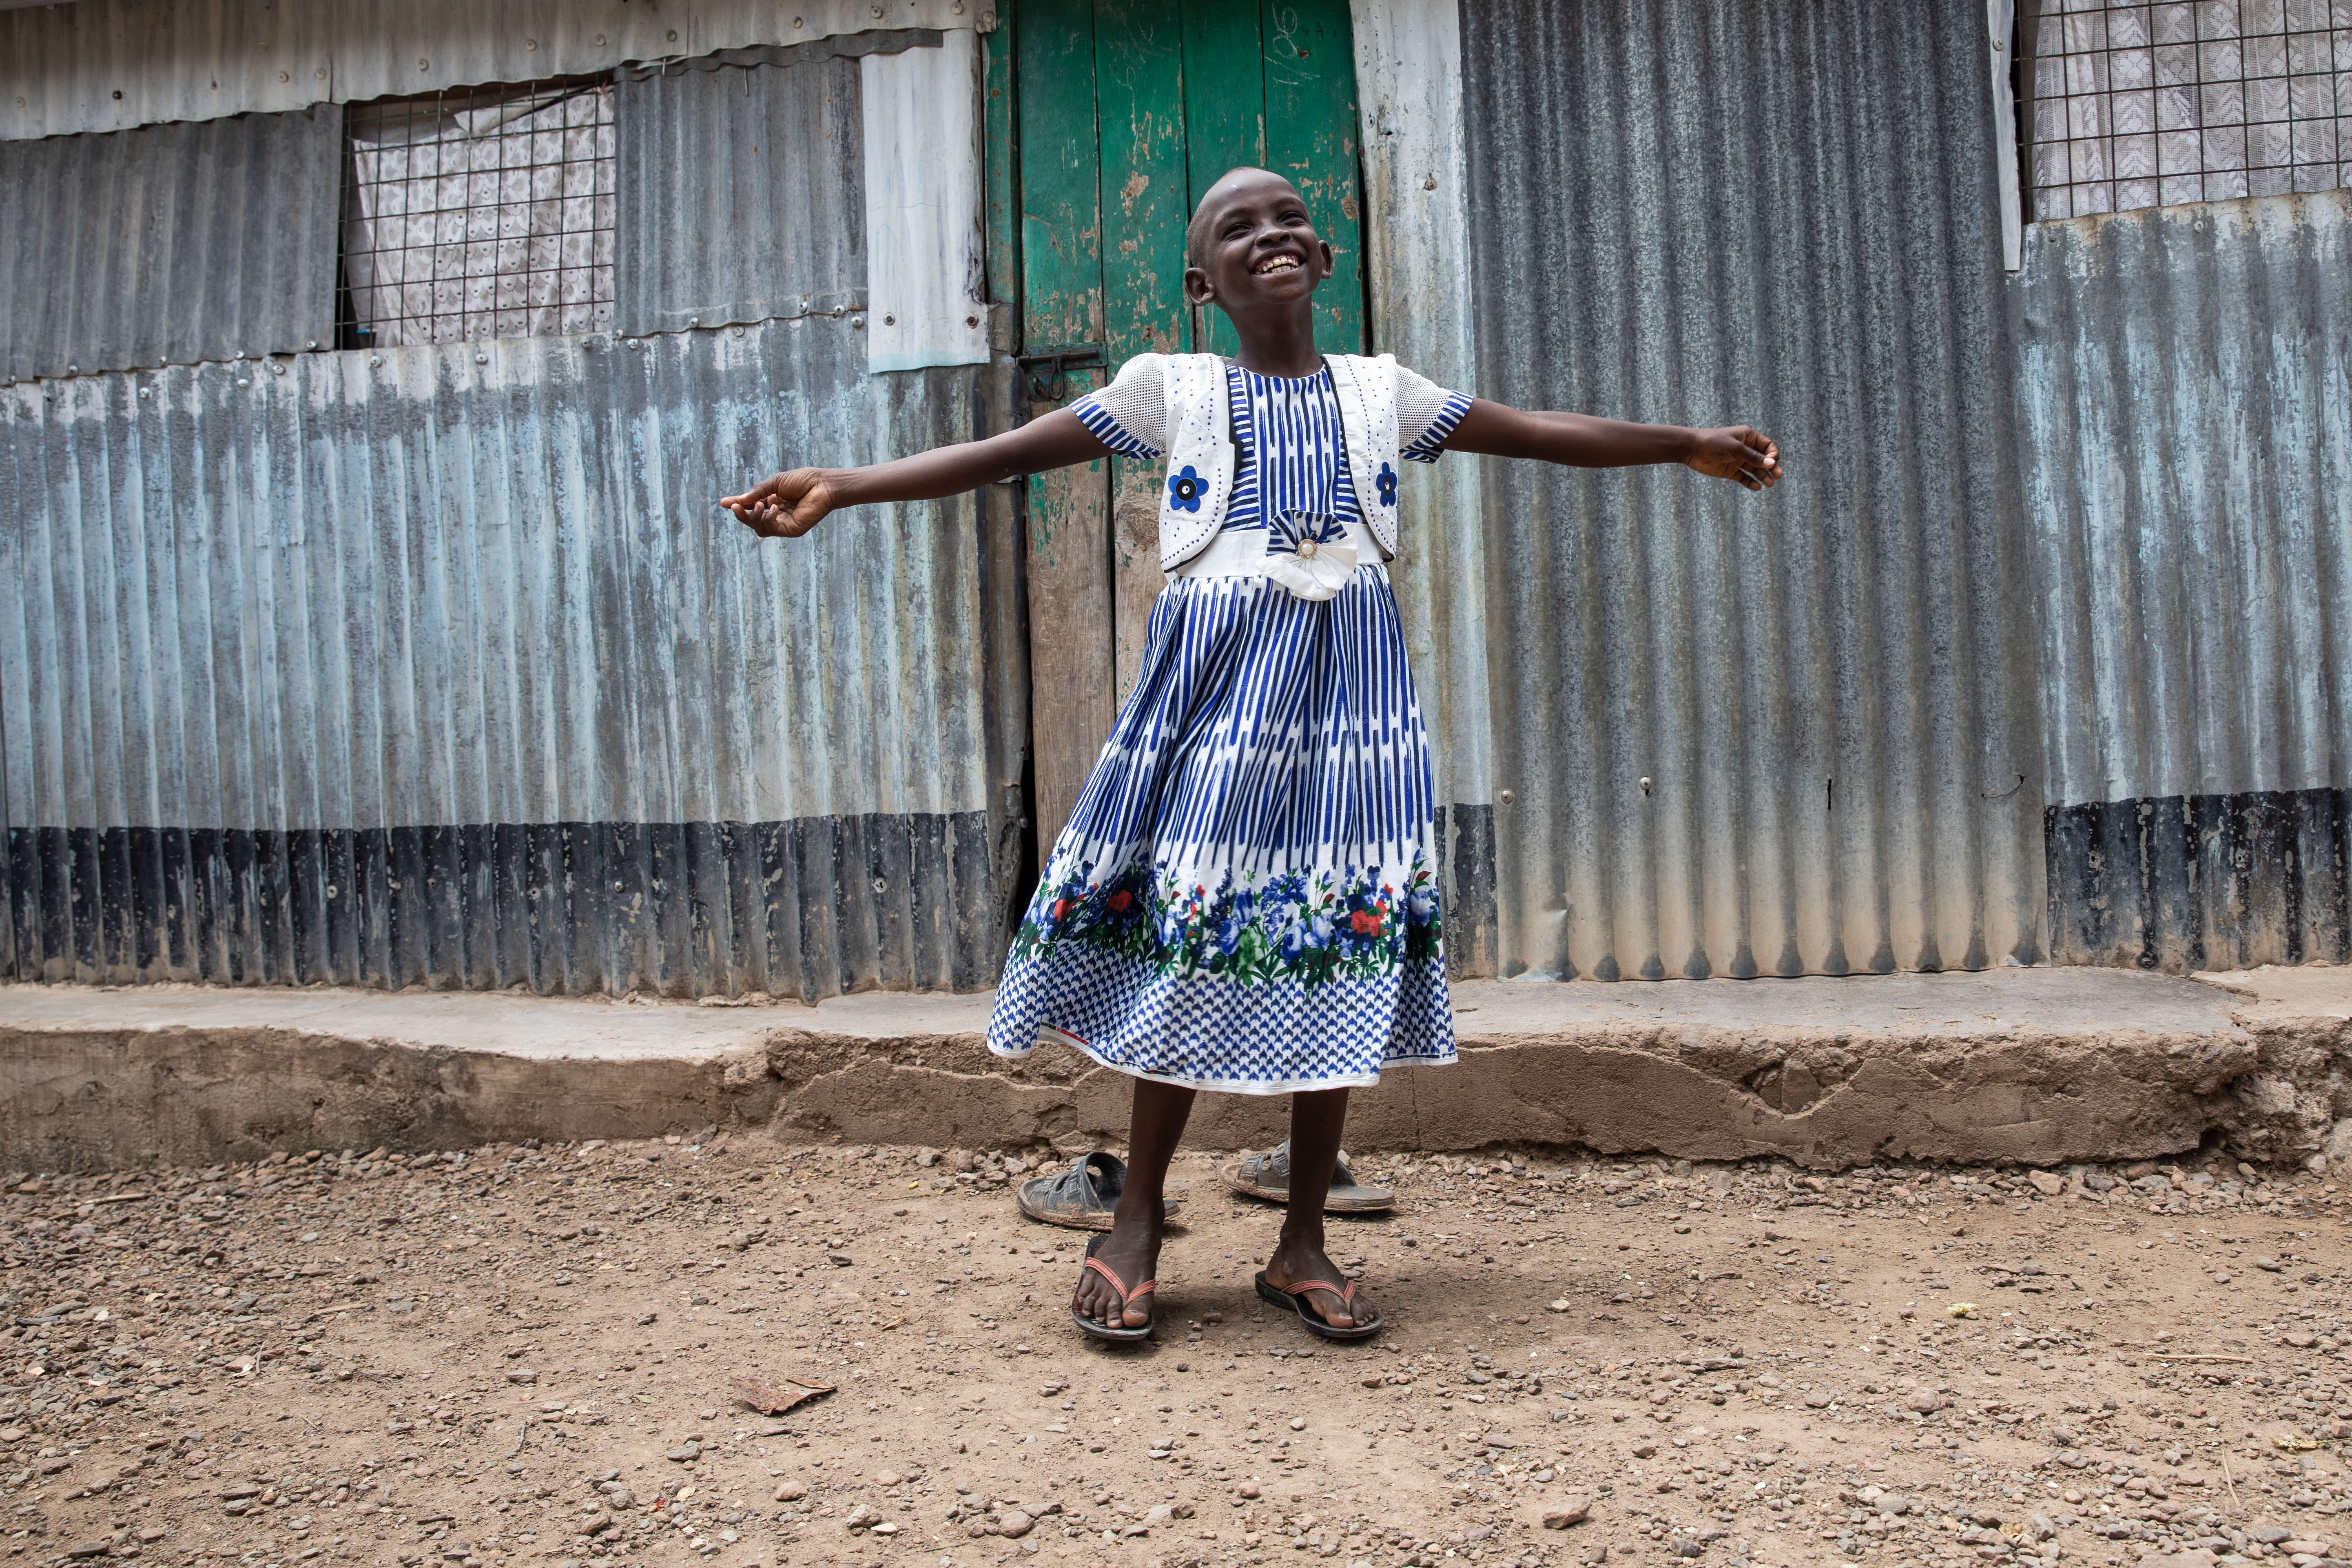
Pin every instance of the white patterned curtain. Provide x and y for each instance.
(2194, 101)
(481, 215)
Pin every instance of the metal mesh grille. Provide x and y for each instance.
(2151, 105)
(486, 213)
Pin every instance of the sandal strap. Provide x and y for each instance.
(1120, 1285)
(1347, 1294)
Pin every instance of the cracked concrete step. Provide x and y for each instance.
(2042, 1065)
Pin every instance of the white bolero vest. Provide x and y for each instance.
(1201, 457)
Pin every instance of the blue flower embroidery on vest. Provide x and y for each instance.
(1184, 488)
(1388, 485)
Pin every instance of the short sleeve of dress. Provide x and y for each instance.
(1131, 415)
(1426, 415)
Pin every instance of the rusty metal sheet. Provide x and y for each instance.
(2186, 393)
(169, 245)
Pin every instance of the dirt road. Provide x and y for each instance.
(527, 1355)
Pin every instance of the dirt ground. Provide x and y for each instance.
(521, 1353)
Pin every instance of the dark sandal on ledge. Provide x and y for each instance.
(1082, 1197)
(1294, 1296)
(1267, 1177)
(1127, 1298)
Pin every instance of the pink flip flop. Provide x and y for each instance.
(1127, 1298)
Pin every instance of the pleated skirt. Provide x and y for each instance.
(1246, 898)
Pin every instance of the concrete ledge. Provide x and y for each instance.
(2041, 1067)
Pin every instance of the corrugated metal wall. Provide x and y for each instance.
(169, 245)
(2186, 381)
(450, 672)
(1701, 210)
(107, 65)
(742, 177)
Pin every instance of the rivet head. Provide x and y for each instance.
(600, 40)
(889, 321)
(857, 324)
(796, 22)
(283, 76)
(1645, 787)
(481, 359)
(276, 369)
(144, 392)
(530, 43)
(424, 65)
(1506, 797)
(971, 321)
(673, 35)
(375, 362)
(877, 12)
(694, 321)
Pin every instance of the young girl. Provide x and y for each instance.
(1246, 898)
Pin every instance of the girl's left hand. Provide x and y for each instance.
(1739, 452)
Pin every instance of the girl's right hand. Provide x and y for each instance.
(783, 506)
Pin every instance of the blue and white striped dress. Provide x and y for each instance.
(1246, 896)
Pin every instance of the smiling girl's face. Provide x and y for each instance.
(1250, 246)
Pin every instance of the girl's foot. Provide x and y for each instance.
(1131, 1251)
(1294, 1261)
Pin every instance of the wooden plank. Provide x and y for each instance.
(1310, 129)
(1070, 619)
(1225, 117)
(1139, 108)
(1001, 163)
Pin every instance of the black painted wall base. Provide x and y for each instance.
(2207, 881)
(676, 909)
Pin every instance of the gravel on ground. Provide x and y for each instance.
(522, 1354)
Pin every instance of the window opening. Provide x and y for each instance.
(478, 212)
(2137, 105)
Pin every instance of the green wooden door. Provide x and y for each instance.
(1124, 111)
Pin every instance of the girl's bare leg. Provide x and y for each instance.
(1132, 1250)
(1316, 1121)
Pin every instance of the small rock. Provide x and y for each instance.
(1158, 1513)
(1925, 1401)
(2048, 1183)
(2269, 1265)
(1298, 1422)
(685, 1453)
(522, 1374)
(1558, 1305)
(840, 1259)
(2199, 1558)
(88, 1548)
(2306, 1548)
(1566, 1511)
(241, 1489)
(791, 1493)
(927, 1158)
(1248, 1489)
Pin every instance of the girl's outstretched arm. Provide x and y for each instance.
(1580, 441)
(787, 505)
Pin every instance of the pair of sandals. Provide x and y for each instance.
(1085, 1195)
